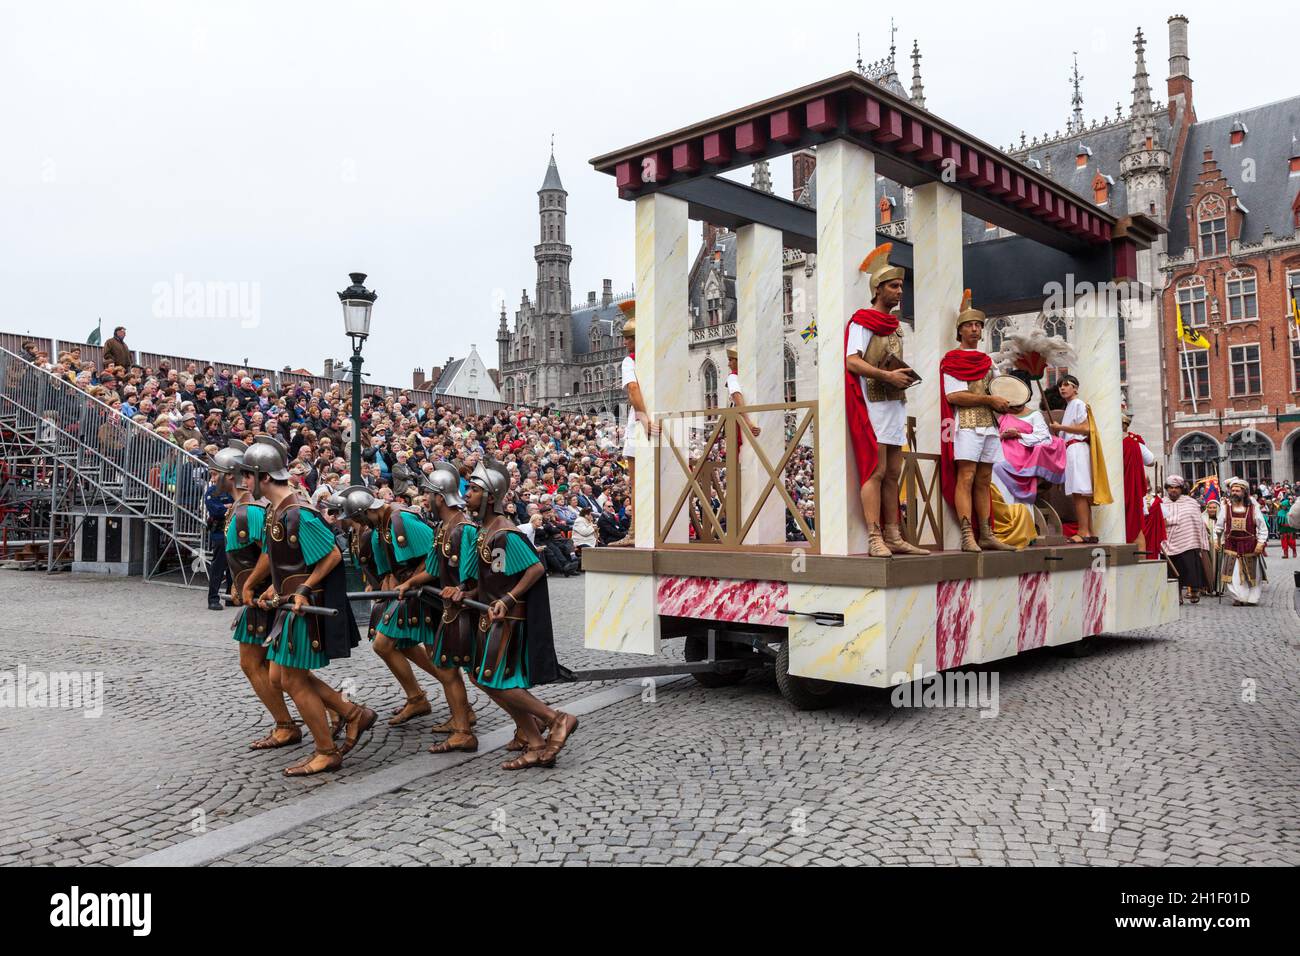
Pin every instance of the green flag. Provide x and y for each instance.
(95, 335)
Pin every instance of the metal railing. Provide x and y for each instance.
(130, 467)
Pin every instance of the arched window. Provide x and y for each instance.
(997, 329)
(598, 380)
(532, 388)
(1198, 456)
(709, 373)
(1054, 325)
(1250, 456)
(790, 373)
(1243, 303)
(1212, 219)
(1191, 301)
(586, 380)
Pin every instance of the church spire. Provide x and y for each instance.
(762, 178)
(552, 180)
(1141, 115)
(1076, 119)
(918, 91)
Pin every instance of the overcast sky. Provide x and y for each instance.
(281, 145)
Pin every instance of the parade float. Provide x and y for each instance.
(711, 562)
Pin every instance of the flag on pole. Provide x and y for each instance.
(809, 332)
(1193, 338)
(96, 334)
(1295, 315)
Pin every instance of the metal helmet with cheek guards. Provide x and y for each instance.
(230, 459)
(356, 500)
(492, 477)
(443, 481)
(266, 458)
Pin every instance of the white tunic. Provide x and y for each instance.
(1078, 453)
(889, 418)
(983, 443)
(633, 433)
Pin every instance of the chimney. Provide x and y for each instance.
(591, 298)
(804, 162)
(606, 292)
(1180, 77)
(417, 378)
(329, 368)
(710, 238)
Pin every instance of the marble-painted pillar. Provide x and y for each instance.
(662, 333)
(1096, 340)
(760, 351)
(846, 232)
(935, 230)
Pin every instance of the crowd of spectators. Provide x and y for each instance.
(569, 490)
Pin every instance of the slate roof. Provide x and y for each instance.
(1268, 142)
(580, 321)
(448, 376)
(552, 180)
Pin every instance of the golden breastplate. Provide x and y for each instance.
(877, 349)
(976, 416)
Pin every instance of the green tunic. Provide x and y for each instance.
(316, 541)
(418, 544)
(517, 558)
(256, 515)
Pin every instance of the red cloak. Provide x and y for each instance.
(1153, 529)
(865, 450)
(966, 365)
(1136, 485)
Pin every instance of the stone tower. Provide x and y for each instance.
(554, 298)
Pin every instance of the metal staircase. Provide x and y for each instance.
(65, 456)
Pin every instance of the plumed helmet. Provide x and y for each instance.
(444, 480)
(967, 312)
(356, 500)
(493, 478)
(228, 460)
(879, 267)
(267, 457)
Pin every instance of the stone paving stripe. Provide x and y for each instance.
(243, 834)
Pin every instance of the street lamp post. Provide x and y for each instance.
(357, 302)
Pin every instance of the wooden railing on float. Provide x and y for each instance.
(923, 492)
(713, 465)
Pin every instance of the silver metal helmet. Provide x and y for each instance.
(444, 481)
(356, 500)
(228, 460)
(493, 478)
(267, 458)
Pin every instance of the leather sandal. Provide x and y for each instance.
(447, 727)
(269, 742)
(416, 706)
(532, 757)
(337, 723)
(562, 728)
(517, 743)
(306, 769)
(359, 721)
(467, 743)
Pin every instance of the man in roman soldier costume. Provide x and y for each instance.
(1242, 535)
(969, 435)
(514, 648)
(243, 536)
(394, 545)
(1137, 459)
(638, 425)
(452, 562)
(303, 560)
(875, 382)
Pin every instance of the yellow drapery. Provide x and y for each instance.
(1100, 483)
(1012, 523)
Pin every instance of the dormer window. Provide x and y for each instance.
(1081, 157)
(886, 209)
(1212, 219)
(1101, 189)
(1237, 135)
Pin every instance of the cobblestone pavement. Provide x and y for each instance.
(1144, 752)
